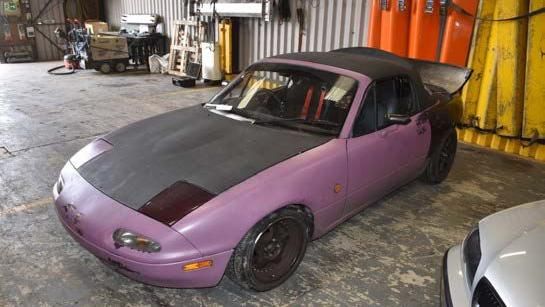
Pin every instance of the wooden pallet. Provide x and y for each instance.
(185, 46)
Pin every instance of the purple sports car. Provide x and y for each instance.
(297, 144)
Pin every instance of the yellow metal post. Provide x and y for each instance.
(477, 59)
(534, 94)
(226, 46)
(511, 66)
(486, 104)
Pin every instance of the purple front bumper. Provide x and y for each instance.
(91, 218)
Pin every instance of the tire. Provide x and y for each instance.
(272, 250)
(441, 159)
(120, 67)
(105, 68)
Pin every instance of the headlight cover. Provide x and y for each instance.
(133, 240)
(472, 253)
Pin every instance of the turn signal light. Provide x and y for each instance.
(198, 265)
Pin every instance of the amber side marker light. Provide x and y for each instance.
(198, 265)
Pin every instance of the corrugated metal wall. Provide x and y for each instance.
(329, 24)
(52, 16)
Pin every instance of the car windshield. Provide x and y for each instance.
(287, 96)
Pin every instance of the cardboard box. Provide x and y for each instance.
(96, 27)
(105, 48)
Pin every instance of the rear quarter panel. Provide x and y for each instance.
(443, 115)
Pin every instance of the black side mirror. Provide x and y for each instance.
(398, 119)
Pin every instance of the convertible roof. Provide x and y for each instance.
(373, 63)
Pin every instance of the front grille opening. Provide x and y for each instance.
(486, 296)
(472, 254)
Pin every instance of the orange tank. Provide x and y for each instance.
(424, 29)
(374, 25)
(394, 26)
(458, 31)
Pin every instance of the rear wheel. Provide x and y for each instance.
(271, 251)
(441, 160)
(105, 68)
(120, 67)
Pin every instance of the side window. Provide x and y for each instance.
(386, 101)
(389, 96)
(394, 96)
(406, 96)
(366, 121)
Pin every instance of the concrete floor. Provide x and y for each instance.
(388, 255)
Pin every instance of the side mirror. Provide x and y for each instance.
(398, 119)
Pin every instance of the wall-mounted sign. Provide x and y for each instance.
(12, 8)
(30, 32)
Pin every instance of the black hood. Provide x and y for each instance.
(192, 145)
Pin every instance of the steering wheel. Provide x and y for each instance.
(262, 102)
(269, 93)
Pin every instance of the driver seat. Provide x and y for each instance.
(296, 97)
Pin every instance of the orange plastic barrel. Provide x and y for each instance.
(424, 29)
(458, 31)
(395, 25)
(374, 25)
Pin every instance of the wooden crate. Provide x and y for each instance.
(185, 46)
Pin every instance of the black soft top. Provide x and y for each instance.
(378, 64)
(373, 63)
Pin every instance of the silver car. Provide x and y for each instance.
(501, 262)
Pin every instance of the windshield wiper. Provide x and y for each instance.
(278, 120)
(219, 107)
(297, 120)
(222, 109)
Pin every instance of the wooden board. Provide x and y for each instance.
(185, 46)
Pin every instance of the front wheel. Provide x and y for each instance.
(271, 251)
(441, 159)
(105, 68)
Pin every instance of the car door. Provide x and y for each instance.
(389, 142)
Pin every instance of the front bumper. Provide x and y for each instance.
(90, 217)
(163, 275)
(454, 287)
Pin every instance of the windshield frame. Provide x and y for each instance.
(362, 83)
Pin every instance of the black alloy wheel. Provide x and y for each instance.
(271, 251)
(277, 249)
(441, 160)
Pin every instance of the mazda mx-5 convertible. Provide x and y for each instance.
(295, 145)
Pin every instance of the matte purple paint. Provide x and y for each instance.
(214, 229)
(307, 179)
(91, 218)
(393, 156)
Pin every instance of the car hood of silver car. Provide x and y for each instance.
(513, 249)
